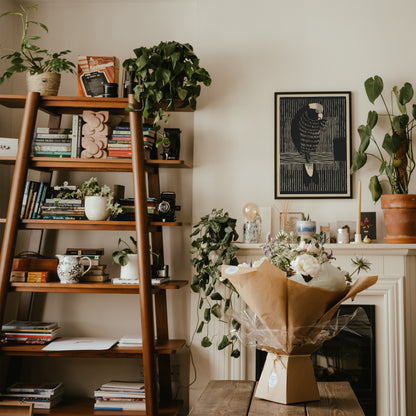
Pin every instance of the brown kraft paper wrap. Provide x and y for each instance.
(294, 314)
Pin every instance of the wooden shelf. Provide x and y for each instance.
(85, 407)
(88, 225)
(94, 165)
(75, 105)
(56, 287)
(169, 347)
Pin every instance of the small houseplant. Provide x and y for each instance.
(98, 200)
(211, 248)
(394, 155)
(43, 68)
(127, 258)
(170, 73)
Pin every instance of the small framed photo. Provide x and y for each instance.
(313, 145)
(288, 221)
(368, 225)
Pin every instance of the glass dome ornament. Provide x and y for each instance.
(252, 223)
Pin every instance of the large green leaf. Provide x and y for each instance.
(406, 93)
(205, 342)
(373, 88)
(224, 343)
(359, 159)
(391, 144)
(372, 119)
(375, 188)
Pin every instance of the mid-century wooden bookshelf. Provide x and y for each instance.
(153, 307)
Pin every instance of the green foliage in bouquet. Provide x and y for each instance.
(30, 57)
(211, 248)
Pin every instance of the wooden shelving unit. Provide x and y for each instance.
(153, 309)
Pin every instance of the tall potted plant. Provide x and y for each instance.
(166, 73)
(43, 68)
(395, 157)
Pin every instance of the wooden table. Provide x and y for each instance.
(236, 398)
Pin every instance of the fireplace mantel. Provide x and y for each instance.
(395, 298)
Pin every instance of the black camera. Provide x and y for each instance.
(166, 208)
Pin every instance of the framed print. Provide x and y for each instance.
(313, 145)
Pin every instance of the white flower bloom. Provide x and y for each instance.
(331, 278)
(306, 265)
(257, 263)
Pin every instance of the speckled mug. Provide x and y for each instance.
(70, 267)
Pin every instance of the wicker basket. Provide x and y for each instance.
(46, 83)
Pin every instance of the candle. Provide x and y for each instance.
(358, 228)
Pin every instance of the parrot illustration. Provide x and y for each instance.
(306, 127)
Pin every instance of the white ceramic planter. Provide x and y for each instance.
(130, 271)
(306, 228)
(96, 208)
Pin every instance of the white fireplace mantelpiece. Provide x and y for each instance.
(394, 295)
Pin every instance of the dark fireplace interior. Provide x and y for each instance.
(350, 356)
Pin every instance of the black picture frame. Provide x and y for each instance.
(313, 145)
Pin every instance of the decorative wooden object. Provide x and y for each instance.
(94, 134)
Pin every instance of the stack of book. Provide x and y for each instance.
(120, 395)
(130, 341)
(52, 142)
(119, 144)
(30, 332)
(97, 273)
(34, 195)
(42, 395)
(127, 205)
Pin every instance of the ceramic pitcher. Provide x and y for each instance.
(70, 267)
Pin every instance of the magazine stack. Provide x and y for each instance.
(30, 332)
(42, 395)
(120, 395)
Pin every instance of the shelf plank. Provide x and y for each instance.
(75, 105)
(56, 287)
(85, 407)
(94, 165)
(88, 225)
(169, 347)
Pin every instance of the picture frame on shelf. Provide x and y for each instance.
(288, 221)
(313, 145)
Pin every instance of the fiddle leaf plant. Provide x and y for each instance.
(168, 73)
(211, 248)
(395, 152)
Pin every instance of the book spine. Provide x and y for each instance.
(48, 130)
(52, 136)
(52, 153)
(25, 197)
(53, 148)
(52, 141)
(42, 193)
(34, 197)
(29, 199)
(74, 150)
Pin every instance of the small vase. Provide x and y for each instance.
(130, 271)
(45, 84)
(306, 229)
(96, 208)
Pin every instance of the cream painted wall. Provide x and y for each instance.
(251, 49)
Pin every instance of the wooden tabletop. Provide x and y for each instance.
(236, 398)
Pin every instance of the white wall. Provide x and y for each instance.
(251, 49)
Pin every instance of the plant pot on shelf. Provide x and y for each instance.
(306, 228)
(96, 208)
(399, 217)
(130, 271)
(45, 84)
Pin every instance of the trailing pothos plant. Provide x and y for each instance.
(211, 248)
(168, 73)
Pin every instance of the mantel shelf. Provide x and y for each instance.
(94, 165)
(169, 347)
(56, 287)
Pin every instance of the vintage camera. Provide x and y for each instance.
(166, 208)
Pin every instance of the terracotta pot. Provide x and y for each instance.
(399, 218)
(45, 84)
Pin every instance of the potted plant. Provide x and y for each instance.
(127, 258)
(306, 227)
(43, 68)
(211, 248)
(395, 157)
(98, 200)
(168, 73)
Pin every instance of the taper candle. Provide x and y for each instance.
(358, 228)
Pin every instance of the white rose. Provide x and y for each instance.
(306, 265)
(257, 263)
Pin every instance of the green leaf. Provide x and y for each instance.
(207, 314)
(130, 107)
(391, 144)
(406, 93)
(216, 296)
(216, 310)
(235, 353)
(359, 159)
(373, 88)
(200, 327)
(224, 343)
(375, 188)
(206, 342)
(372, 119)
(365, 135)
(182, 92)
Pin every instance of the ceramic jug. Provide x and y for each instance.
(70, 267)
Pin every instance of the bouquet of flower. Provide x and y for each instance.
(294, 291)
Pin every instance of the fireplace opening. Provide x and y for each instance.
(349, 356)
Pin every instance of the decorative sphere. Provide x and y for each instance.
(250, 211)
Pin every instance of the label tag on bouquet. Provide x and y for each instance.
(272, 380)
